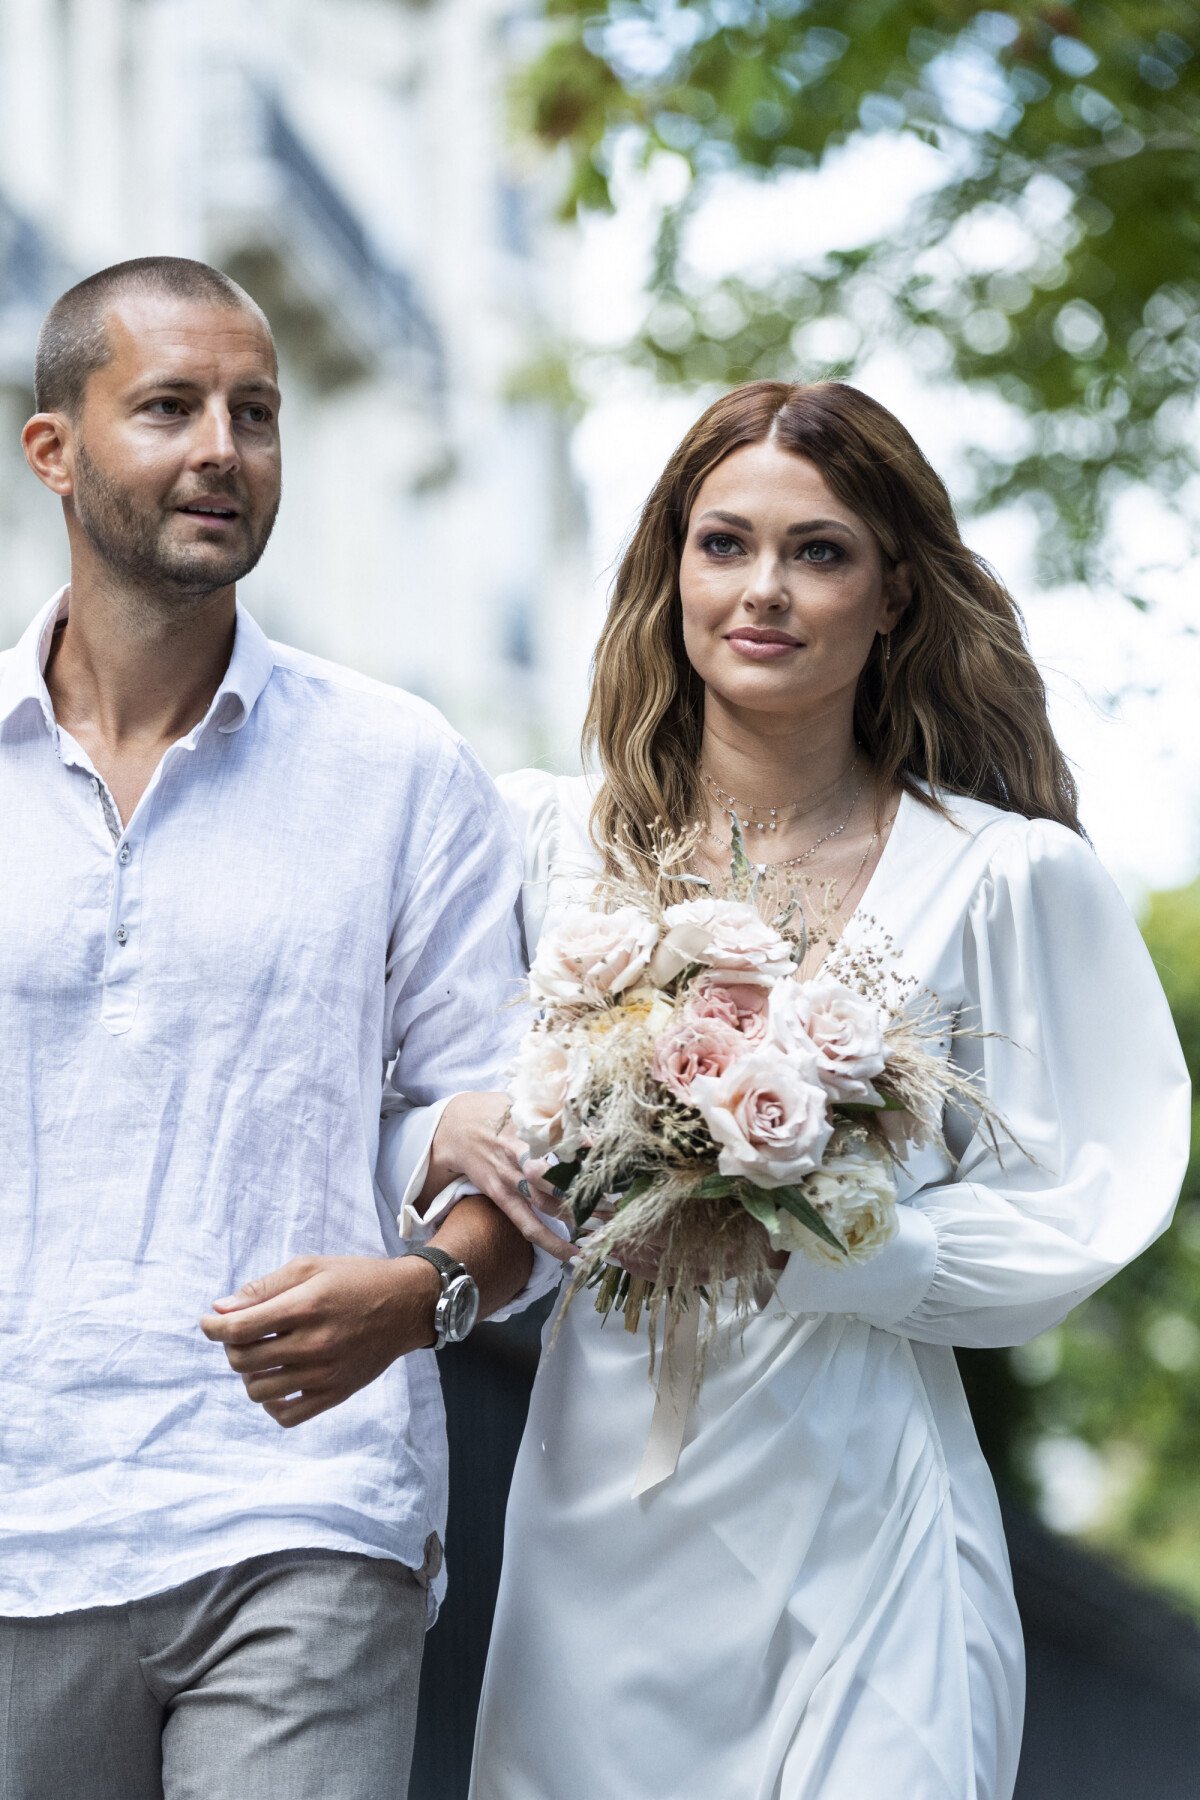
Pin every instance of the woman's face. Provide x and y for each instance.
(783, 587)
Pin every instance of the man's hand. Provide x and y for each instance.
(309, 1335)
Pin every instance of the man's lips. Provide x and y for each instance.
(212, 509)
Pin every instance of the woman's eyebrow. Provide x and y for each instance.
(728, 518)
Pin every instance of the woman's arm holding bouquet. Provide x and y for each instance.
(1077, 1054)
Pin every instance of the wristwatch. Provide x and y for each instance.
(458, 1303)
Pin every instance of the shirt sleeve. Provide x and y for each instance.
(1066, 1023)
(454, 986)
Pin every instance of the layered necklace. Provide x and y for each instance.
(764, 819)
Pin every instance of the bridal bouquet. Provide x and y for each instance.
(705, 1106)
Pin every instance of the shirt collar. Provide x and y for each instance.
(22, 680)
(248, 673)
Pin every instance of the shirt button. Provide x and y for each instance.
(125, 854)
(122, 935)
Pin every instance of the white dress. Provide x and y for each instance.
(817, 1605)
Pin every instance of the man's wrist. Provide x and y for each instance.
(457, 1307)
(420, 1289)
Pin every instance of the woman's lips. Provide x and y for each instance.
(760, 649)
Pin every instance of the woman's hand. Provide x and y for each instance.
(475, 1139)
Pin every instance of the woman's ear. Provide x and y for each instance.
(897, 594)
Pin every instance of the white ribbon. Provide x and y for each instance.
(672, 1402)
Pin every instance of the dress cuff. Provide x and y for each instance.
(885, 1289)
(418, 1228)
(405, 1146)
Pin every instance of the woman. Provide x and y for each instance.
(817, 1602)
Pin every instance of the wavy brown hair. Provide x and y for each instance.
(959, 707)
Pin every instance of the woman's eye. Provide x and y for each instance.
(821, 551)
(719, 543)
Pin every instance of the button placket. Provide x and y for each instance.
(122, 962)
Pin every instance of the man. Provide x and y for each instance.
(238, 884)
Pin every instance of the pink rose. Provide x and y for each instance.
(770, 1118)
(692, 1048)
(742, 1005)
(843, 1027)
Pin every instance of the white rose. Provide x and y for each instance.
(589, 956)
(771, 1121)
(722, 934)
(855, 1192)
(843, 1027)
(547, 1084)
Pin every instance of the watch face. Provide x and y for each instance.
(459, 1308)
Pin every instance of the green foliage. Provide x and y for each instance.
(1057, 262)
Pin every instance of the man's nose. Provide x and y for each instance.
(215, 446)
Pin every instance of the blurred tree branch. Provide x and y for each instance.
(1055, 262)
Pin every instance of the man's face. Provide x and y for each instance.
(175, 455)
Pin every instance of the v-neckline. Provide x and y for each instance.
(858, 910)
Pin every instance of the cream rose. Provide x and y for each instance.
(855, 1192)
(546, 1088)
(722, 934)
(844, 1028)
(589, 956)
(770, 1118)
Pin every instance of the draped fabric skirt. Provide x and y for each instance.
(816, 1604)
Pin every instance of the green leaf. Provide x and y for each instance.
(885, 1103)
(640, 1185)
(582, 1209)
(562, 1174)
(741, 869)
(757, 1204)
(794, 1202)
(716, 1187)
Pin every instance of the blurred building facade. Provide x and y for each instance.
(346, 160)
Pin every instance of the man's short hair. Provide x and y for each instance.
(73, 343)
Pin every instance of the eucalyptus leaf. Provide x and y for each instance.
(758, 1204)
(793, 1200)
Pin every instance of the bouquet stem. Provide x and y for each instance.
(618, 1291)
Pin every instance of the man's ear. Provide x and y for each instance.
(897, 593)
(47, 441)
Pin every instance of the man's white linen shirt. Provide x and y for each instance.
(196, 1014)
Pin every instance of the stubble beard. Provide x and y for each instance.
(134, 543)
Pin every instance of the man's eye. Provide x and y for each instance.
(166, 407)
(257, 415)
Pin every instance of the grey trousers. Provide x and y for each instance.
(291, 1676)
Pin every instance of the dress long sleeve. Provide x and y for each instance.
(1063, 1017)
